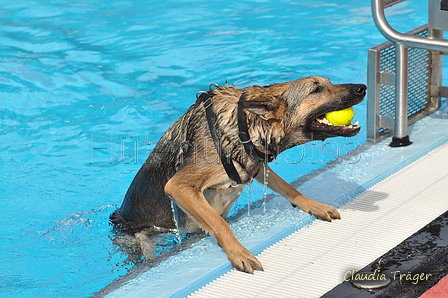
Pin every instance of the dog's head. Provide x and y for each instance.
(300, 106)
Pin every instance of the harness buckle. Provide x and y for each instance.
(207, 103)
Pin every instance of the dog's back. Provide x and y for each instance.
(188, 140)
(146, 206)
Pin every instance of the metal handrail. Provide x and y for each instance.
(402, 42)
(435, 45)
(427, 43)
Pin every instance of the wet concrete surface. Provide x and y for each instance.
(414, 266)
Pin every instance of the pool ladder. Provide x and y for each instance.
(404, 75)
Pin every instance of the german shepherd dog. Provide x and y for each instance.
(200, 165)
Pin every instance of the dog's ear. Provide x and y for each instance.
(262, 105)
(262, 108)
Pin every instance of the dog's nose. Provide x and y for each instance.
(360, 88)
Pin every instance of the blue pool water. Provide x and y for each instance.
(88, 87)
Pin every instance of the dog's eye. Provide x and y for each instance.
(318, 89)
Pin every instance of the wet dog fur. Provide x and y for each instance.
(184, 178)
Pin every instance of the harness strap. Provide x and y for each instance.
(243, 134)
(211, 120)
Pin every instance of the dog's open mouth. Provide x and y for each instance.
(321, 125)
(324, 124)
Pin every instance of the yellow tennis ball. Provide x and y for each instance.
(342, 117)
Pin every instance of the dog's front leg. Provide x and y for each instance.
(280, 186)
(187, 190)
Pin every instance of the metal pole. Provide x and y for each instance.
(401, 137)
(373, 96)
(435, 76)
(432, 44)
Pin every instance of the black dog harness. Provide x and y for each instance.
(243, 134)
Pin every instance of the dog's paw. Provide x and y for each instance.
(245, 261)
(324, 211)
(320, 210)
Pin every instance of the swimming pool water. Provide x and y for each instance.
(88, 87)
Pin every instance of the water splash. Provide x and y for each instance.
(265, 185)
(249, 192)
(65, 229)
(177, 220)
